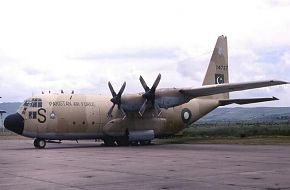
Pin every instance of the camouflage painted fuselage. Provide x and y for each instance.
(73, 116)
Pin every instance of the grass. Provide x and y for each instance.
(233, 133)
(241, 130)
(226, 140)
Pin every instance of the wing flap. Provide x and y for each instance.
(229, 87)
(246, 101)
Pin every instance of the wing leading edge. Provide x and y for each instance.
(229, 87)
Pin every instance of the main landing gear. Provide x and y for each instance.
(124, 142)
(39, 143)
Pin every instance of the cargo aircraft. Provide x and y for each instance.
(132, 118)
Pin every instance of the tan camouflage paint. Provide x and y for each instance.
(94, 120)
(85, 116)
(88, 119)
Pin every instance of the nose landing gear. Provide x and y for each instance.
(39, 143)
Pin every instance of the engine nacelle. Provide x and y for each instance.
(136, 129)
(145, 135)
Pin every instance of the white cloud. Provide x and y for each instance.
(286, 58)
(81, 45)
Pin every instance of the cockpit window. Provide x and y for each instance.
(35, 102)
(27, 103)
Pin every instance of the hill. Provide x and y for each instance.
(9, 107)
(258, 114)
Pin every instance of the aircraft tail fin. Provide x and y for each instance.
(217, 71)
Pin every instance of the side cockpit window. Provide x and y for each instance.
(32, 115)
(27, 103)
(31, 103)
(34, 102)
(39, 103)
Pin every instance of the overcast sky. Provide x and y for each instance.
(81, 45)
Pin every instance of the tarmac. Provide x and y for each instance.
(89, 165)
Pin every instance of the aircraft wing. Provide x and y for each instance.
(245, 101)
(228, 87)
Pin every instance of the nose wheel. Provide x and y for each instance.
(39, 143)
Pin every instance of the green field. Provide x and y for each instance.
(233, 133)
(270, 140)
(241, 130)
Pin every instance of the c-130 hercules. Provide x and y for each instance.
(138, 118)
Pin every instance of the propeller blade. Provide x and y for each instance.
(111, 110)
(149, 95)
(154, 86)
(123, 112)
(146, 88)
(157, 109)
(143, 108)
(121, 90)
(112, 89)
(116, 100)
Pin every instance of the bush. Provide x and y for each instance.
(238, 130)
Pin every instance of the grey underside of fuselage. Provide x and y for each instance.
(74, 136)
(63, 136)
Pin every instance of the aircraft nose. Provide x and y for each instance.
(15, 123)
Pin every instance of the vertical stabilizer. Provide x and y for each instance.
(217, 71)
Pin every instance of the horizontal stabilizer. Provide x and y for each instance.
(230, 87)
(245, 101)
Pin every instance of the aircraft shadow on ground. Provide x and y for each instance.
(79, 146)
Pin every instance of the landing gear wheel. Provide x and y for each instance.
(148, 142)
(109, 142)
(123, 142)
(134, 143)
(39, 143)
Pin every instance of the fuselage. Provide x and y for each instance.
(76, 116)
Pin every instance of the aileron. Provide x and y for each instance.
(245, 101)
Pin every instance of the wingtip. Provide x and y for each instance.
(275, 98)
(278, 82)
(284, 82)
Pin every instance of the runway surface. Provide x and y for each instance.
(88, 165)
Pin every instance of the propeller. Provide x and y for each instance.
(116, 100)
(149, 95)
